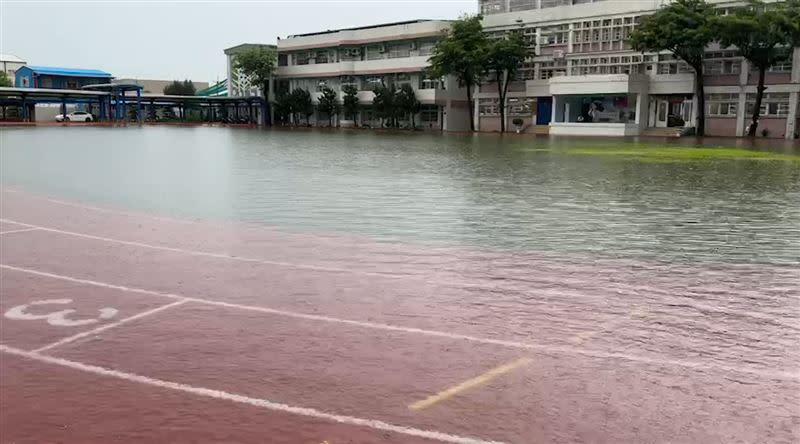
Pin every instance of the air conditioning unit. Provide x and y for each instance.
(558, 54)
(544, 40)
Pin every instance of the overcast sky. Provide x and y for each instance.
(182, 39)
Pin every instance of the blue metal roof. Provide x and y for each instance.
(73, 72)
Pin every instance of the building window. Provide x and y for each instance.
(349, 80)
(428, 82)
(375, 52)
(492, 6)
(300, 58)
(488, 107)
(282, 60)
(554, 3)
(371, 82)
(782, 67)
(552, 69)
(520, 106)
(722, 105)
(426, 47)
(522, 5)
(555, 35)
(322, 57)
(429, 114)
(400, 50)
(772, 105)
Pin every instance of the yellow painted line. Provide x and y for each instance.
(470, 383)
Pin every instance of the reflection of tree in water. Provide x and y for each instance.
(520, 198)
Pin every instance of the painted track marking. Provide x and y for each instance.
(103, 328)
(242, 399)
(57, 318)
(695, 304)
(694, 365)
(21, 230)
(203, 253)
(470, 383)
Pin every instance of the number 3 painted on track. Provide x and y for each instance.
(57, 318)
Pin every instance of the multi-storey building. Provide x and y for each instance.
(394, 53)
(585, 79)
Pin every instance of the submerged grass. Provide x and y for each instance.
(673, 153)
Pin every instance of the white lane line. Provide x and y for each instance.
(21, 230)
(694, 365)
(103, 328)
(242, 399)
(224, 256)
(205, 253)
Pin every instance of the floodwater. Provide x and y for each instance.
(517, 193)
(658, 263)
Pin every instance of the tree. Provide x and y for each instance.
(350, 101)
(178, 88)
(4, 80)
(757, 31)
(329, 104)
(258, 63)
(385, 104)
(282, 108)
(462, 53)
(407, 103)
(504, 57)
(684, 28)
(301, 104)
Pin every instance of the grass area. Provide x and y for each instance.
(673, 153)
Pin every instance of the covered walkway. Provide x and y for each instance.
(125, 103)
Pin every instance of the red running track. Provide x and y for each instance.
(182, 331)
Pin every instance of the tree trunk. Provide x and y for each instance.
(699, 90)
(267, 119)
(471, 108)
(762, 73)
(501, 104)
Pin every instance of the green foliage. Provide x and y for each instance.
(463, 54)
(301, 104)
(329, 104)
(282, 108)
(350, 99)
(684, 28)
(407, 103)
(259, 64)
(385, 104)
(178, 88)
(761, 34)
(5, 81)
(504, 56)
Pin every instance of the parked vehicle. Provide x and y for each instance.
(75, 116)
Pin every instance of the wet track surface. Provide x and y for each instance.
(647, 329)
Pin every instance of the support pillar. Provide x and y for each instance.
(794, 113)
(139, 106)
(741, 113)
(64, 108)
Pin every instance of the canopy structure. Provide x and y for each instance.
(113, 99)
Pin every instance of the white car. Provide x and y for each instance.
(75, 116)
